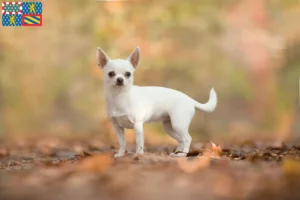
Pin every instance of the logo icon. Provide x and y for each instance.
(32, 20)
(22, 14)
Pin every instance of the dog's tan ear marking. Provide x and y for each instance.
(134, 57)
(102, 58)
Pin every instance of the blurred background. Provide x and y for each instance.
(249, 50)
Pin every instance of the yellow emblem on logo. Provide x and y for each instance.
(32, 8)
(12, 20)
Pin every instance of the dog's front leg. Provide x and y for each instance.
(121, 138)
(139, 134)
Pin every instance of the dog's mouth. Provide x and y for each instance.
(119, 84)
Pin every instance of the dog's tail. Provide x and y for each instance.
(210, 105)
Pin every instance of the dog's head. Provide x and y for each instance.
(118, 73)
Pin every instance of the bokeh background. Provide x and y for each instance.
(249, 50)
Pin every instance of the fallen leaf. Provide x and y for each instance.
(95, 163)
(216, 150)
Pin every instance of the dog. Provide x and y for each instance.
(129, 106)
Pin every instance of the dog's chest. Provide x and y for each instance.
(124, 121)
(119, 111)
(118, 105)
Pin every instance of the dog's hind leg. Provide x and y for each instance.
(139, 134)
(171, 132)
(180, 120)
(179, 131)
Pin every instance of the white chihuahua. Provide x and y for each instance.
(130, 106)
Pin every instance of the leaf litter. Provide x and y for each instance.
(81, 170)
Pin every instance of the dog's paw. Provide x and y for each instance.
(138, 154)
(181, 154)
(117, 155)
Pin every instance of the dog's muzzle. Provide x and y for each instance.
(120, 81)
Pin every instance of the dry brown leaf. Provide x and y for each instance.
(96, 163)
(193, 165)
(216, 150)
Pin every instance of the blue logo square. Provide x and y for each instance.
(11, 20)
(32, 8)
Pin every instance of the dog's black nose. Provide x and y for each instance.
(120, 81)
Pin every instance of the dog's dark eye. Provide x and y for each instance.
(111, 74)
(127, 74)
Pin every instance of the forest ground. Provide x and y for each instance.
(56, 168)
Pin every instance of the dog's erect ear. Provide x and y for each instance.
(102, 58)
(134, 57)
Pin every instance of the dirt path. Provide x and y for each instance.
(55, 169)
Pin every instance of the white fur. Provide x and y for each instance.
(130, 106)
